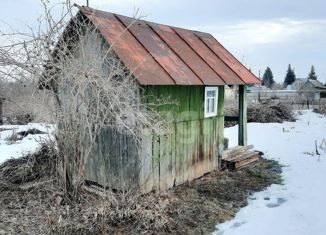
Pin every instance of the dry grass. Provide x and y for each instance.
(321, 109)
(266, 112)
(32, 203)
(30, 167)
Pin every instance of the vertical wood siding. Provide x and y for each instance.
(189, 148)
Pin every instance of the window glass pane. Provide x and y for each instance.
(212, 110)
(207, 105)
(210, 94)
(210, 101)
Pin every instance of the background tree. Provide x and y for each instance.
(268, 80)
(289, 77)
(312, 75)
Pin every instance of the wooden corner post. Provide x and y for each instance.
(220, 125)
(242, 134)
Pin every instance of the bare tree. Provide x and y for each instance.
(93, 89)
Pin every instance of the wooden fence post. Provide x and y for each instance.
(1, 121)
(242, 134)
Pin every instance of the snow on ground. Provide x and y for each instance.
(298, 206)
(29, 144)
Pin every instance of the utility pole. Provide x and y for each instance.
(87, 3)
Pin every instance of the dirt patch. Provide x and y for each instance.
(34, 204)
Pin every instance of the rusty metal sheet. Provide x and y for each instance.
(210, 58)
(187, 54)
(162, 53)
(129, 50)
(228, 58)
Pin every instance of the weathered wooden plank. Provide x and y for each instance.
(215, 145)
(206, 129)
(201, 148)
(146, 177)
(188, 147)
(247, 161)
(229, 153)
(243, 156)
(184, 156)
(193, 149)
(165, 170)
(173, 153)
(251, 163)
(156, 161)
(179, 153)
(208, 156)
(212, 157)
(100, 157)
(242, 134)
(131, 161)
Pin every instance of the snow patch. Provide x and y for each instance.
(28, 144)
(298, 206)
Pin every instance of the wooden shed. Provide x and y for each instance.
(190, 67)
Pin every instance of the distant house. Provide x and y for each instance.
(297, 84)
(312, 90)
(193, 69)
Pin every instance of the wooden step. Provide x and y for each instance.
(235, 151)
(247, 161)
(242, 156)
(249, 165)
(241, 160)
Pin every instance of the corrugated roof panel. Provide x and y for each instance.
(170, 62)
(133, 55)
(228, 58)
(163, 55)
(210, 58)
(187, 54)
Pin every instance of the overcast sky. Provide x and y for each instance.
(259, 33)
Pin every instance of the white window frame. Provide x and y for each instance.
(207, 113)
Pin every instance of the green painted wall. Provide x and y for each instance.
(190, 147)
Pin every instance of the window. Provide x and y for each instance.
(210, 103)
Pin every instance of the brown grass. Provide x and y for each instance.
(266, 112)
(32, 203)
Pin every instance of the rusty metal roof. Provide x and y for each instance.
(163, 55)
